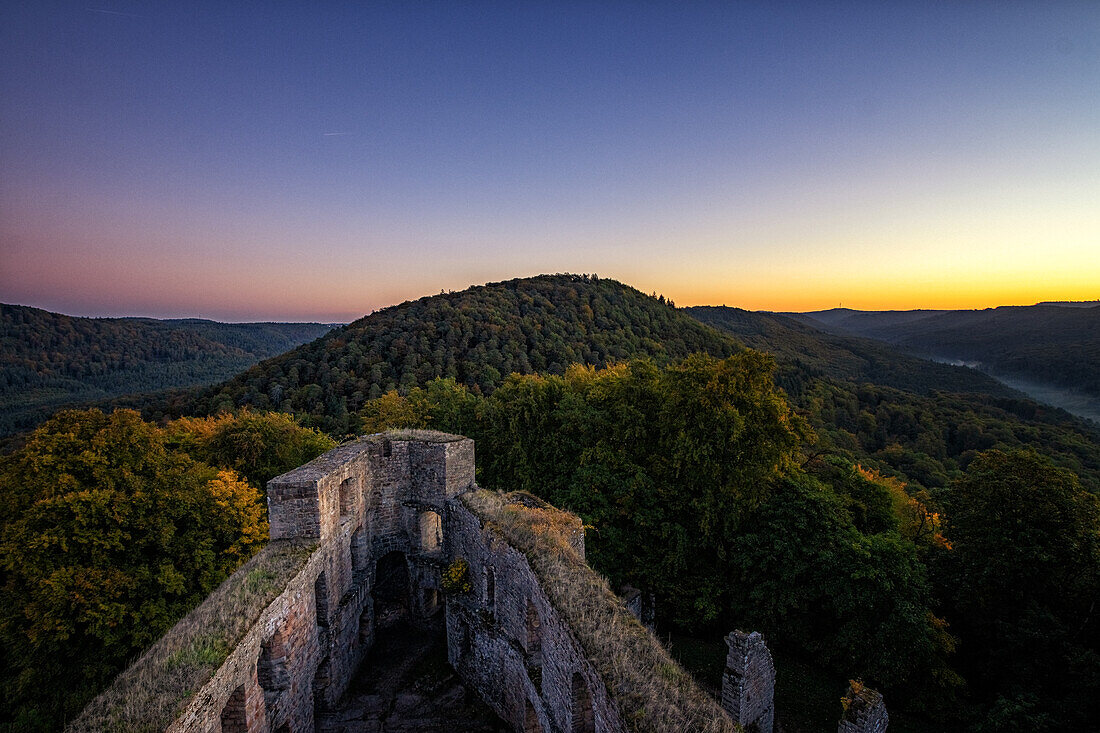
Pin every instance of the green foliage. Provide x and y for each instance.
(688, 477)
(108, 537)
(1023, 578)
(664, 462)
(862, 603)
(456, 577)
(929, 440)
(259, 446)
(48, 360)
(391, 411)
(476, 337)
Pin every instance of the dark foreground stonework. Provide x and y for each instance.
(405, 684)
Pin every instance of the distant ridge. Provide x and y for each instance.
(1072, 303)
(806, 346)
(49, 360)
(1049, 344)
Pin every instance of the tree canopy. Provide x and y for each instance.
(110, 533)
(1023, 580)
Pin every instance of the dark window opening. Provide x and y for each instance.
(583, 720)
(320, 592)
(366, 632)
(534, 632)
(347, 496)
(464, 642)
(431, 601)
(490, 589)
(233, 714)
(271, 665)
(320, 685)
(358, 554)
(391, 590)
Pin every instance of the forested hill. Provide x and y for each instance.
(910, 417)
(48, 360)
(1051, 344)
(476, 336)
(803, 351)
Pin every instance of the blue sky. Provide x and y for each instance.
(316, 161)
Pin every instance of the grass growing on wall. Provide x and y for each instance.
(151, 693)
(652, 691)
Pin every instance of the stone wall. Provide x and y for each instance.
(507, 640)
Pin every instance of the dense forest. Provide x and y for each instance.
(701, 485)
(804, 352)
(112, 528)
(48, 360)
(915, 419)
(1052, 344)
(477, 336)
(914, 524)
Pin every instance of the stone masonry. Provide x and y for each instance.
(748, 684)
(508, 641)
(864, 711)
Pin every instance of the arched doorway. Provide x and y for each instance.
(391, 590)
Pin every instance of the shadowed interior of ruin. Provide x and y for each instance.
(405, 684)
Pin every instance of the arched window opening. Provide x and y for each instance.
(387, 448)
(431, 531)
(583, 720)
(490, 590)
(347, 496)
(271, 665)
(233, 714)
(320, 593)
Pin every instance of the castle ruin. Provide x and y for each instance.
(391, 528)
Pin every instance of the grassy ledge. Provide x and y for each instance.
(152, 691)
(423, 436)
(652, 691)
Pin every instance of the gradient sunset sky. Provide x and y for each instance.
(315, 161)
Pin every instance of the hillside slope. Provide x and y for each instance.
(804, 351)
(476, 336)
(1050, 344)
(919, 420)
(915, 418)
(48, 360)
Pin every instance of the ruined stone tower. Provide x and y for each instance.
(748, 684)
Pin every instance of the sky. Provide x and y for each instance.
(316, 161)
